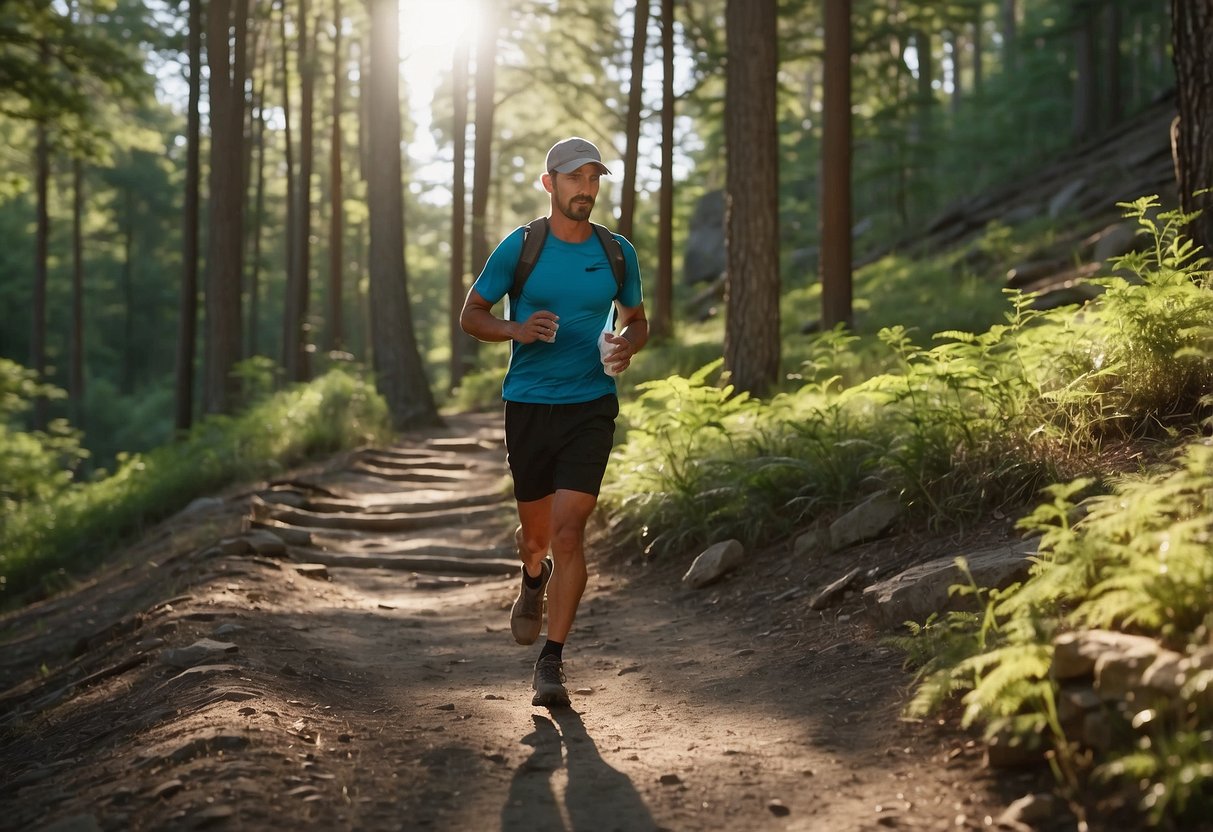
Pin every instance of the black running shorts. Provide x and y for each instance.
(553, 446)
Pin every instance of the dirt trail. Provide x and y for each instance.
(365, 678)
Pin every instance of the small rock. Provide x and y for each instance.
(1030, 810)
(224, 630)
(493, 697)
(166, 789)
(200, 651)
(669, 779)
(713, 563)
(449, 706)
(778, 809)
(315, 571)
(583, 691)
(632, 668)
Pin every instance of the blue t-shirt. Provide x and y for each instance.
(574, 281)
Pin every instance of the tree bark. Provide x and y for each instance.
(751, 339)
(663, 317)
(836, 168)
(1086, 100)
(295, 342)
(459, 93)
(290, 225)
(335, 331)
(482, 161)
(627, 204)
(42, 232)
(76, 369)
(399, 375)
(226, 19)
(258, 229)
(187, 315)
(1192, 36)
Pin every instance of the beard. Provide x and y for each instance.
(579, 208)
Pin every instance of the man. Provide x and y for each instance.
(560, 401)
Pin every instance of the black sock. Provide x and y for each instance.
(552, 648)
(532, 583)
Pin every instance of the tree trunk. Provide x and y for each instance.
(127, 378)
(459, 93)
(751, 338)
(335, 330)
(294, 344)
(42, 232)
(187, 316)
(1086, 98)
(627, 204)
(1010, 33)
(1192, 34)
(978, 49)
(836, 168)
(76, 369)
(258, 229)
(226, 19)
(399, 375)
(290, 225)
(482, 161)
(1113, 105)
(663, 318)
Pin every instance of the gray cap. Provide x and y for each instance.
(569, 154)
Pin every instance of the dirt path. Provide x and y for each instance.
(379, 688)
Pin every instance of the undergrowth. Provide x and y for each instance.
(978, 421)
(70, 525)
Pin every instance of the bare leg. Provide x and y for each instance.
(570, 510)
(534, 535)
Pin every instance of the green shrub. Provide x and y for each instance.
(76, 527)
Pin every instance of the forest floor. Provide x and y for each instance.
(382, 690)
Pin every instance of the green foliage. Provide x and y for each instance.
(78, 525)
(34, 465)
(1134, 555)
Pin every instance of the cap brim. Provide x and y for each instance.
(569, 167)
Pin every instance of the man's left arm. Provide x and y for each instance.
(631, 338)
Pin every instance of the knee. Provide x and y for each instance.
(531, 542)
(568, 537)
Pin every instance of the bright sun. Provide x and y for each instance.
(429, 32)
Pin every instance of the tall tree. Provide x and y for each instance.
(227, 26)
(751, 337)
(294, 343)
(663, 317)
(257, 232)
(627, 203)
(486, 106)
(1085, 109)
(399, 374)
(1192, 35)
(335, 334)
(75, 386)
(459, 127)
(292, 205)
(187, 316)
(42, 233)
(836, 168)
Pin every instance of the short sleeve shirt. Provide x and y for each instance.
(574, 281)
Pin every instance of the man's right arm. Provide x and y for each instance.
(477, 319)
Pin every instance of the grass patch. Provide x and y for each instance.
(74, 527)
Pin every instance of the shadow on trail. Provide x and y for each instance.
(596, 796)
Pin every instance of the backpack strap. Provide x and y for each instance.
(535, 234)
(614, 253)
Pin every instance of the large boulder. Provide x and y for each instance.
(921, 590)
(704, 257)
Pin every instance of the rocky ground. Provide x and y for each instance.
(332, 651)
